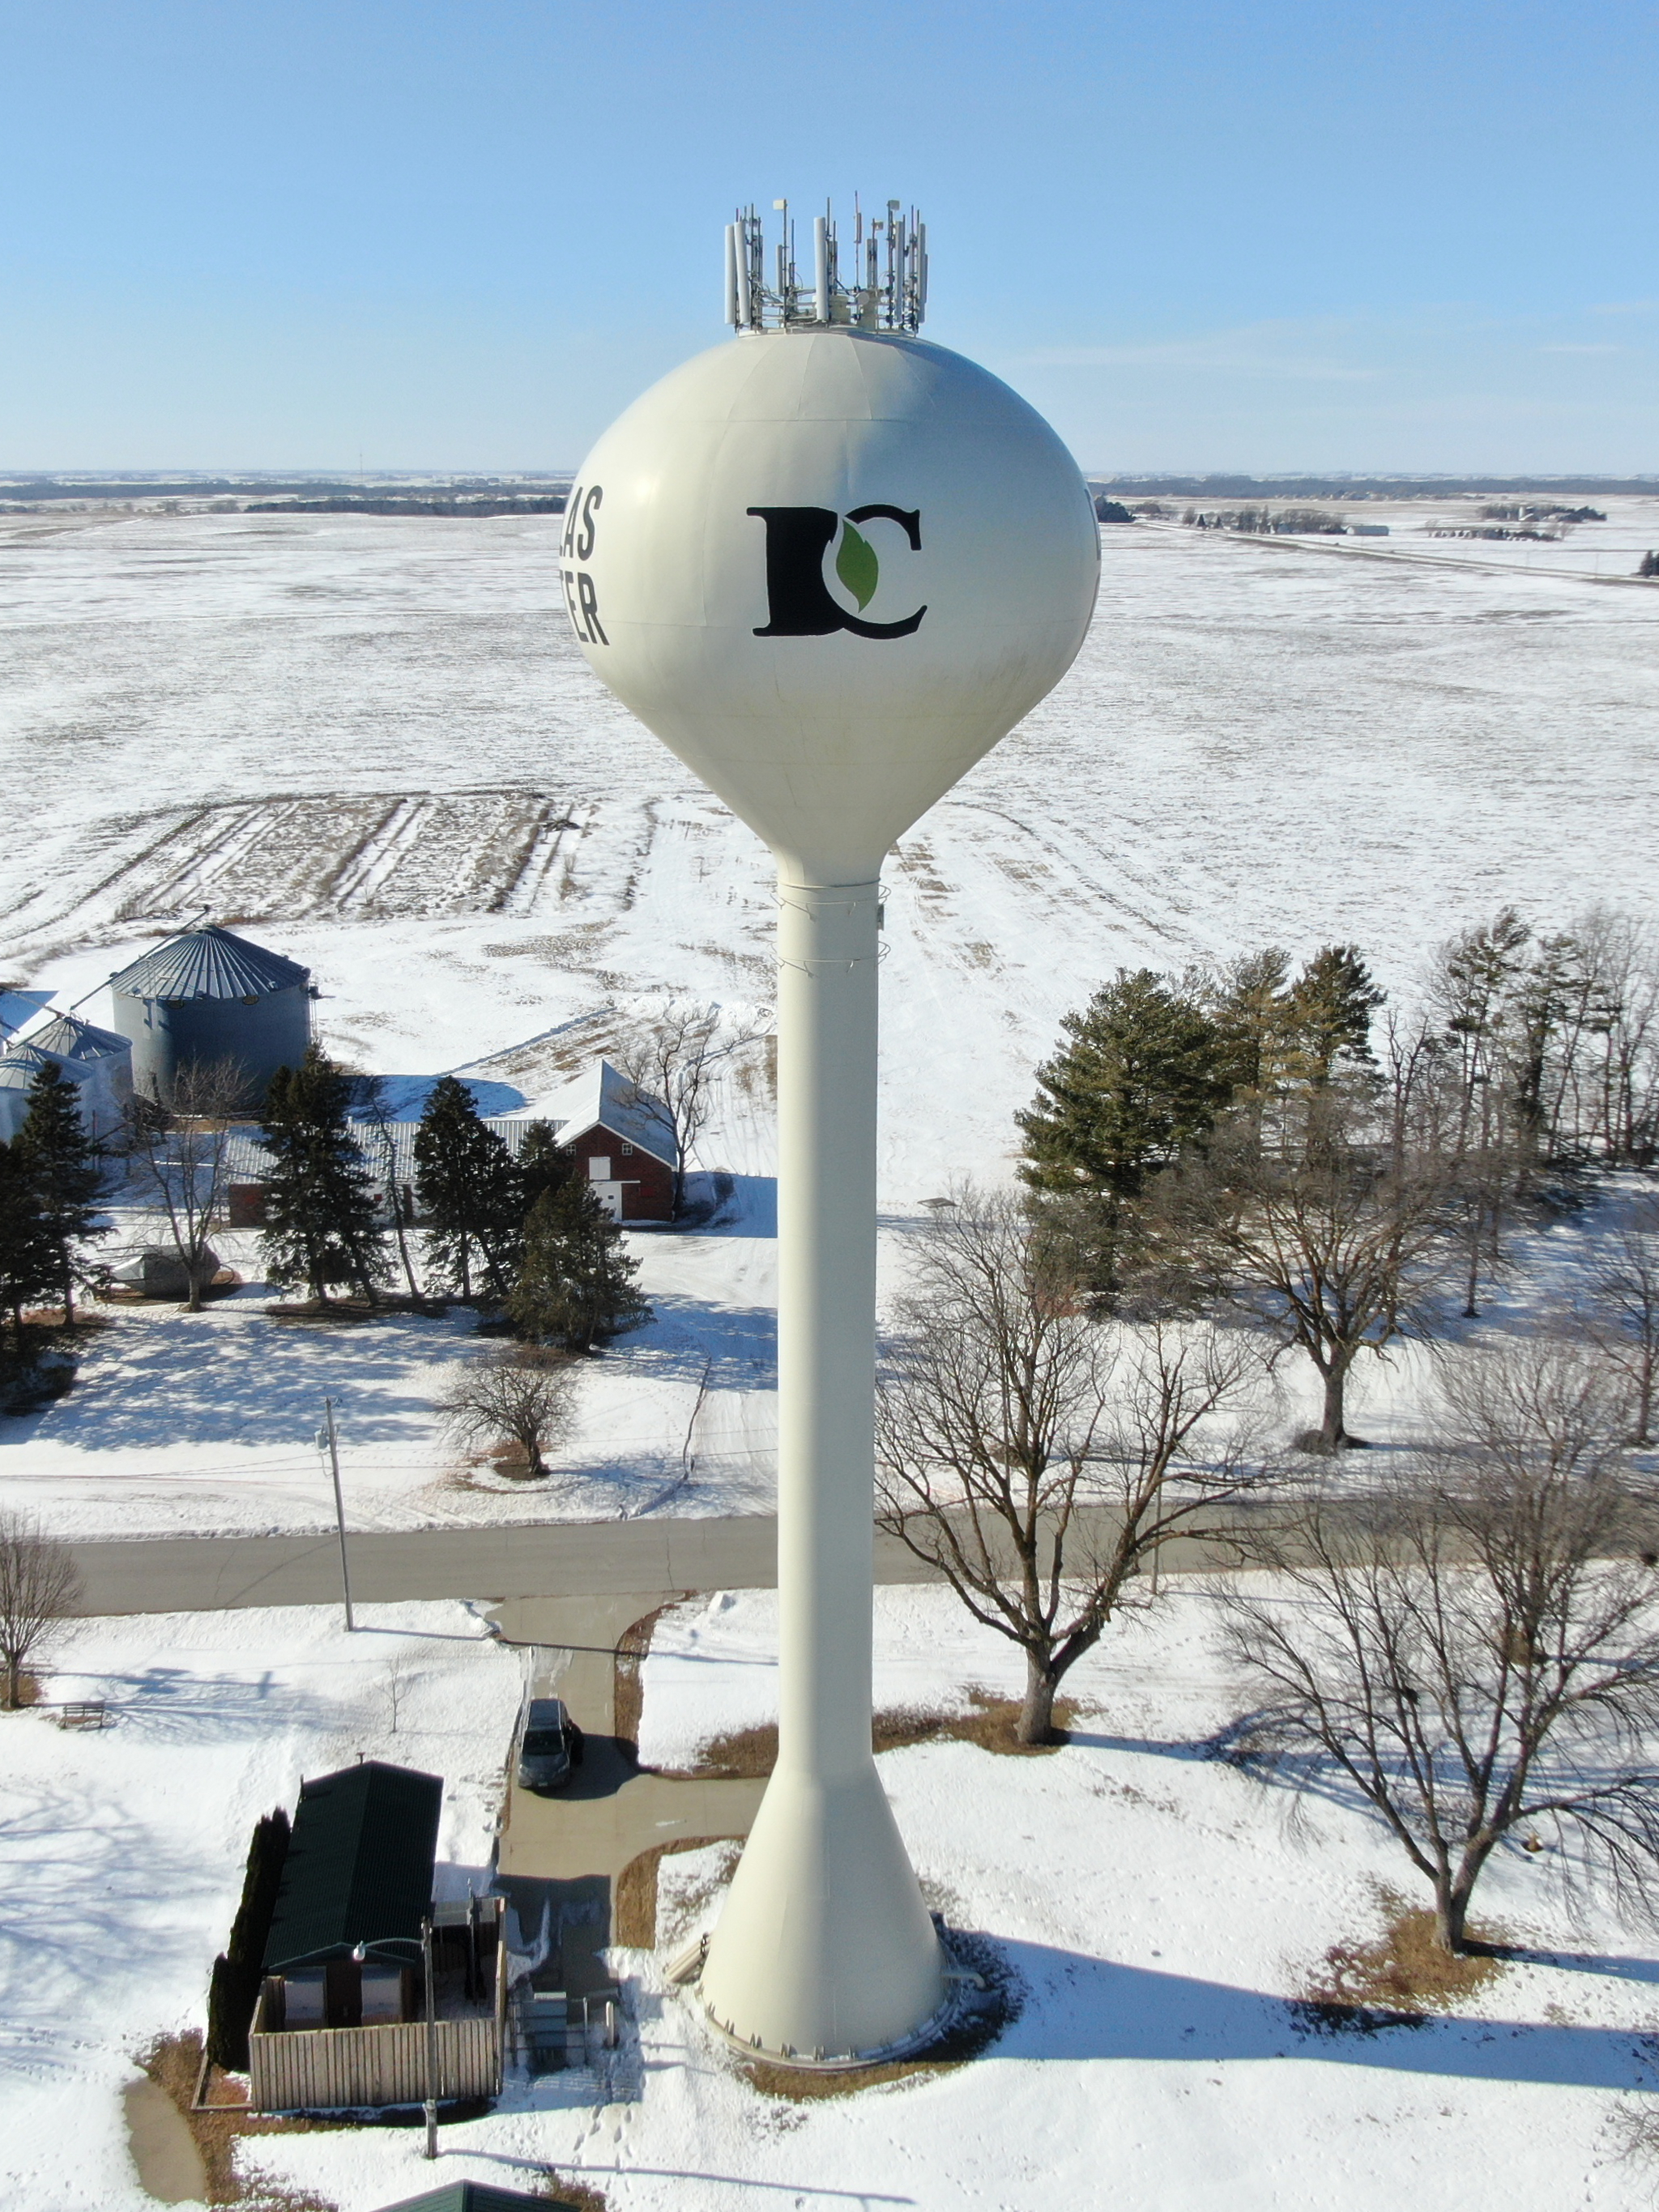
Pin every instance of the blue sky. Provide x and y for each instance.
(1257, 236)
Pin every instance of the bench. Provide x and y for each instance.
(85, 1713)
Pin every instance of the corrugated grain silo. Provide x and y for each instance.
(109, 1057)
(210, 996)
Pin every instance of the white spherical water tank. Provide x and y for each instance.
(830, 565)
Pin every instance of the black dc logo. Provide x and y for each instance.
(797, 597)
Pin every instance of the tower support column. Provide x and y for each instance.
(825, 1950)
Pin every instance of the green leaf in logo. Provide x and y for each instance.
(857, 566)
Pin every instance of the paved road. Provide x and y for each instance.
(571, 1558)
(181, 1574)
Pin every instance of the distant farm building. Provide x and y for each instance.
(340, 2023)
(387, 1150)
(623, 1141)
(208, 996)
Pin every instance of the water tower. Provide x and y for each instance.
(830, 565)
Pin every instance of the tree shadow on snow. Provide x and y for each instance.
(737, 1345)
(162, 1702)
(730, 1205)
(80, 1880)
(250, 1382)
(1078, 2007)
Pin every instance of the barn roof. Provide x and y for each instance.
(359, 1867)
(248, 1161)
(209, 963)
(79, 1040)
(602, 1097)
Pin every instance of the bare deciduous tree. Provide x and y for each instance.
(1475, 1650)
(182, 1154)
(1620, 1310)
(1036, 1460)
(1327, 1237)
(374, 1109)
(523, 1393)
(39, 1584)
(674, 1061)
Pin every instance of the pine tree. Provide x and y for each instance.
(544, 1163)
(66, 1167)
(27, 1259)
(470, 1191)
(1142, 1075)
(1250, 1004)
(577, 1285)
(1331, 1002)
(321, 1225)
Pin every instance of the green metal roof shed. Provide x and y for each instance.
(358, 1869)
(475, 2196)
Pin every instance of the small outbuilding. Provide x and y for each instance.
(210, 996)
(478, 2197)
(157, 1271)
(340, 2023)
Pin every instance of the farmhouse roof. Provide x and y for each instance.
(78, 1040)
(359, 1867)
(602, 1097)
(209, 963)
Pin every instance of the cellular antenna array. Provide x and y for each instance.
(887, 288)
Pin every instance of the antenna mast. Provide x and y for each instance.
(896, 302)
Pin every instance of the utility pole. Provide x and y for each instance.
(431, 2042)
(330, 1441)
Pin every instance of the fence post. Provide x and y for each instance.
(431, 2042)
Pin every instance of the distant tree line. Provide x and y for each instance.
(480, 508)
(1262, 522)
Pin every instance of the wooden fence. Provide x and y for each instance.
(337, 2069)
(344, 2068)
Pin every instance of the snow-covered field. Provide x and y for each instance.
(372, 743)
(122, 1852)
(1158, 1916)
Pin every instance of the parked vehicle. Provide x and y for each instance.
(549, 1745)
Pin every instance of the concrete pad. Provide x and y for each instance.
(163, 2148)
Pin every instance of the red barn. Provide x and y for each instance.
(622, 1140)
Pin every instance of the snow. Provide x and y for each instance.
(1158, 1914)
(371, 744)
(122, 1852)
(206, 1423)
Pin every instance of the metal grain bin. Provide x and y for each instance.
(209, 995)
